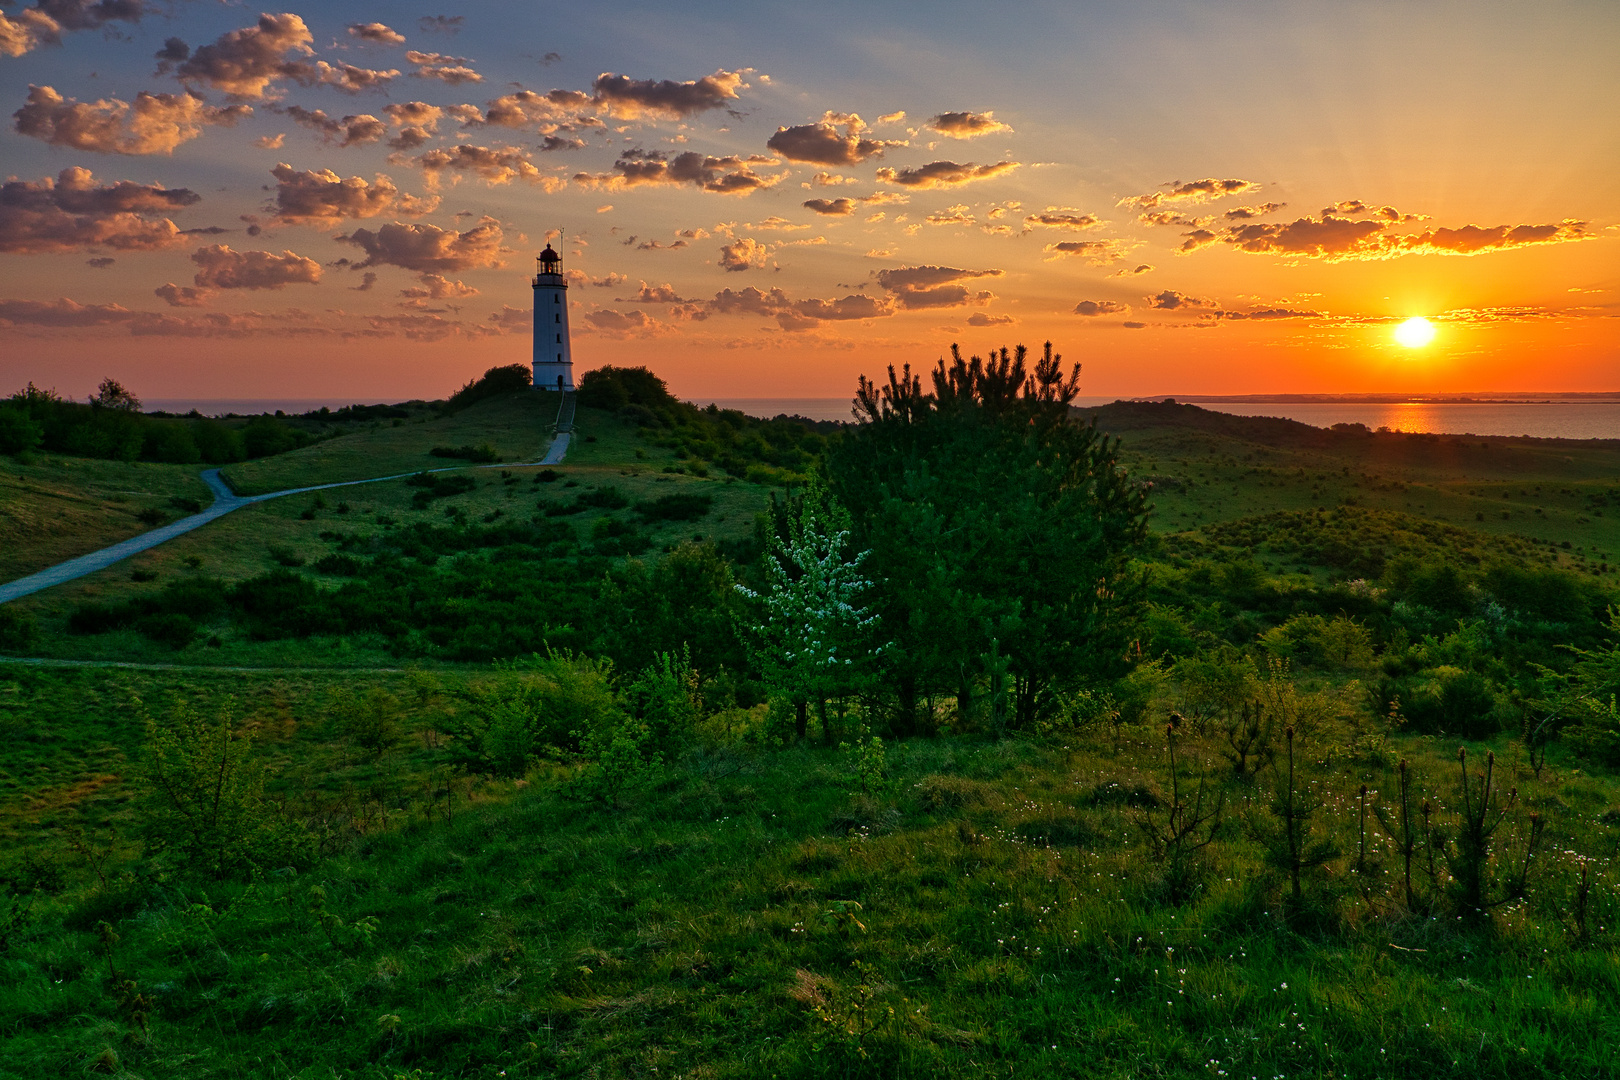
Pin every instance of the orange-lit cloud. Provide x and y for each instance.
(451, 70)
(745, 253)
(980, 318)
(1061, 217)
(613, 323)
(1092, 308)
(944, 174)
(721, 175)
(1337, 239)
(221, 268)
(43, 23)
(72, 212)
(428, 248)
(923, 287)
(1248, 213)
(496, 165)
(349, 131)
(376, 33)
(324, 198)
(154, 124)
(1196, 191)
(243, 63)
(966, 125)
(1095, 252)
(1171, 300)
(823, 143)
(637, 99)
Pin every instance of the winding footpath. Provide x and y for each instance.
(225, 500)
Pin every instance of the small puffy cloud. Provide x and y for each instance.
(72, 212)
(1095, 252)
(43, 23)
(1134, 325)
(243, 63)
(413, 114)
(496, 165)
(1061, 217)
(656, 294)
(580, 279)
(184, 295)
(1196, 191)
(791, 314)
(745, 253)
(376, 33)
(270, 142)
(349, 78)
(101, 263)
(1357, 208)
(322, 197)
(657, 245)
(1474, 240)
(980, 318)
(349, 131)
(218, 267)
(1092, 308)
(1328, 236)
(664, 99)
(1249, 213)
(822, 143)
(623, 324)
(441, 24)
(1171, 300)
(1172, 217)
(922, 287)
(452, 70)
(549, 111)
(1140, 268)
(951, 215)
(1265, 314)
(153, 124)
(430, 249)
(437, 287)
(844, 309)
(943, 174)
(721, 175)
(560, 142)
(831, 207)
(966, 125)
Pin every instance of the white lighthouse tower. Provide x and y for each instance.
(553, 355)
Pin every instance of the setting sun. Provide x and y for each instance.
(1415, 332)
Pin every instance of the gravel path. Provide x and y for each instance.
(224, 502)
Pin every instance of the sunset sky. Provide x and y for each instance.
(765, 200)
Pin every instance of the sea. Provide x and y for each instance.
(1544, 419)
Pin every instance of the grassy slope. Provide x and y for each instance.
(55, 507)
(606, 450)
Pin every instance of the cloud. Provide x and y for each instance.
(623, 324)
(1142, 268)
(349, 131)
(61, 313)
(376, 33)
(438, 287)
(943, 174)
(349, 78)
(497, 165)
(101, 263)
(243, 63)
(1361, 209)
(1267, 314)
(951, 215)
(1336, 239)
(270, 142)
(1170, 300)
(1196, 191)
(154, 124)
(452, 70)
(792, 314)
(1171, 217)
(655, 294)
(658, 245)
(1059, 217)
(72, 212)
(722, 175)
(966, 125)
(1095, 252)
(979, 318)
(43, 23)
(1248, 213)
(922, 287)
(664, 99)
(413, 114)
(430, 249)
(184, 295)
(1092, 308)
(1474, 240)
(550, 111)
(1134, 325)
(581, 279)
(745, 253)
(822, 143)
(323, 197)
(221, 268)
(441, 24)
(831, 207)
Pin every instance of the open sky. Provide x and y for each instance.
(768, 199)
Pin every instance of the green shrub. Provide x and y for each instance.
(17, 629)
(681, 507)
(18, 432)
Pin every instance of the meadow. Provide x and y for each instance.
(503, 792)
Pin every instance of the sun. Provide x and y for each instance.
(1415, 332)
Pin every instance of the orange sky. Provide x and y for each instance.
(1188, 198)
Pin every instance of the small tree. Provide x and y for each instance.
(1290, 842)
(814, 642)
(1188, 827)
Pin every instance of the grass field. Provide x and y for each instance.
(945, 906)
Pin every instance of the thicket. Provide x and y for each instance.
(112, 426)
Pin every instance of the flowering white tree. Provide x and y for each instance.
(815, 641)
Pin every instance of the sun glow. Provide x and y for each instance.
(1415, 332)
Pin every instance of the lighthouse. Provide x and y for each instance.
(553, 356)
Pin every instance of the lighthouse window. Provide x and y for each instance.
(557, 317)
(559, 339)
(555, 299)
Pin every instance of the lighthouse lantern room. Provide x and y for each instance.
(553, 355)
